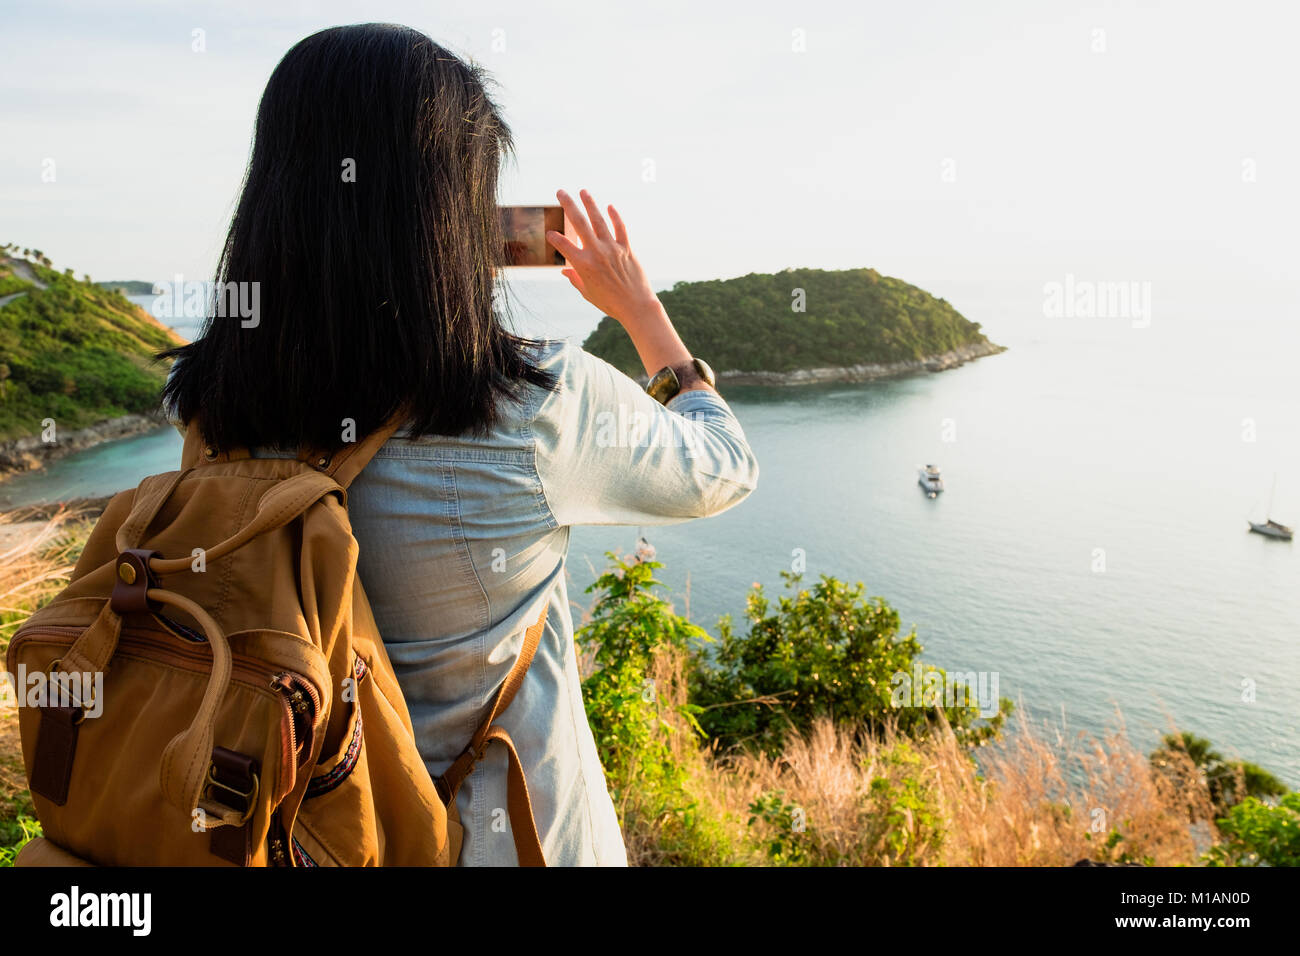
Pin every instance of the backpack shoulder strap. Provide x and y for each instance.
(528, 846)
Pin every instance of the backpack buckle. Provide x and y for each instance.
(448, 785)
(226, 763)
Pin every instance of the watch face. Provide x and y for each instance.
(664, 386)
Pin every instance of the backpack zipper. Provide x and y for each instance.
(277, 843)
(303, 707)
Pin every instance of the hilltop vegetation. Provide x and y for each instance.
(850, 317)
(787, 747)
(70, 350)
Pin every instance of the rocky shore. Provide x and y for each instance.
(862, 373)
(30, 453)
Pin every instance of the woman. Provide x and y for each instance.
(368, 219)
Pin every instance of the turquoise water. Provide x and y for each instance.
(96, 471)
(1091, 547)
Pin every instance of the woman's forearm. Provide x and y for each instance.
(656, 341)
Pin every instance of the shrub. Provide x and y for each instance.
(822, 651)
(1257, 834)
(637, 709)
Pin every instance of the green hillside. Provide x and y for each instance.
(70, 350)
(851, 317)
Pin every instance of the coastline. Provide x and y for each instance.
(863, 373)
(29, 453)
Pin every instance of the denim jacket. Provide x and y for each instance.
(462, 540)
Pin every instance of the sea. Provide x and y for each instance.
(1090, 550)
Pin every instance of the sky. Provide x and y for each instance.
(934, 141)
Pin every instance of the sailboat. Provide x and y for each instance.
(1269, 527)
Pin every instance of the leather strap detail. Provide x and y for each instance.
(233, 783)
(131, 582)
(56, 748)
(528, 845)
(232, 844)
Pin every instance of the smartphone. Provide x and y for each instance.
(525, 229)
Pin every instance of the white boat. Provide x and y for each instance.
(1269, 527)
(930, 480)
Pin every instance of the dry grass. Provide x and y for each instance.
(1038, 797)
(718, 833)
(37, 553)
(1048, 798)
(38, 548)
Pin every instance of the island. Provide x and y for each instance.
(804, 326)
(76, 362)
(128, 286)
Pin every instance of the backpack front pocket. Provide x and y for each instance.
(145, 697)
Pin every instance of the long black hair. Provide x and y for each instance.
(368, 221)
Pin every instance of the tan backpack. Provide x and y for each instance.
(246, 711)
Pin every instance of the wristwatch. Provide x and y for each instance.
(667, 382)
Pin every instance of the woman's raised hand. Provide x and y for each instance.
(607, 274)
(603, 269)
